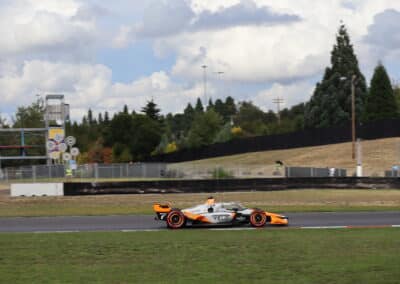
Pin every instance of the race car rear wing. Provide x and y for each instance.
(162, 207)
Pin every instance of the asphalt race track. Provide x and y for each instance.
(147, 222)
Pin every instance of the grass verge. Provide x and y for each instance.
(198, 256)
(279, 201)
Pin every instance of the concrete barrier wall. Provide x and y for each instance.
(231, 185)
(37, 189)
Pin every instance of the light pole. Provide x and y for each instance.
(219, 73)
(205, 83)
(353, 117)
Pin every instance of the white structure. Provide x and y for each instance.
(37, 189)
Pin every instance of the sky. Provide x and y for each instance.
(104, 54)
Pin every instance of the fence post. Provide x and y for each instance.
(34, 173)
(96, 171)
(144, 172)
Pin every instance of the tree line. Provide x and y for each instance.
(133, 136)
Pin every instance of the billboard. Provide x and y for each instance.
(55, 142)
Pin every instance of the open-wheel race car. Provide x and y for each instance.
(216, 213)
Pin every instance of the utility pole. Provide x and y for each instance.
(278, 101)
(353, 117)
(205, 83)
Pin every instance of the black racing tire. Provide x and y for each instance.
(175, 219)
(258, 218)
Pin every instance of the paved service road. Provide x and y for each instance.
(147, 222)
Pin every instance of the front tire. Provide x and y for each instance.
(175, 219)
(258, 218)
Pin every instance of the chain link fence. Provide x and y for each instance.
(111, 172)
(115, 172)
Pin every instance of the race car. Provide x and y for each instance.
(212, 213)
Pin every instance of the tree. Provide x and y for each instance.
(225, 134)
(95, 154)
(151, 110)
(106, 118)
(120, 131)
(145, 136)
(188, 116)
(226, 109)
(107, 155)
(396, 92)
(199, 106)
(230, 108)
(121, 153)
(251, 119)
(126, 110)
(331, 102)
(30, 117)
(381, 102)
(210, 104)
(91, 120)
(219, 107)
(3, 122)
(204, 128)
(100, 118)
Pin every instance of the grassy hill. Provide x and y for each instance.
(378, 155)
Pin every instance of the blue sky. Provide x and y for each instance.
(104, 54)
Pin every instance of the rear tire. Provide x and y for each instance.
(175, 219)
(258, 219)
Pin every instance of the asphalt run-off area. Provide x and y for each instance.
(328, 220)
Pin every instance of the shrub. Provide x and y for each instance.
(220, 173)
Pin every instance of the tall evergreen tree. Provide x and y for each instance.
(381, 102)
(100, 118)
(188, 117)
(331, 102)
(106, 117)
(126, 110)
(151, 110)
(91, 120)
(199, 106)
(210, 104)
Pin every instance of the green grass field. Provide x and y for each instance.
(279, 201)
(202, 256)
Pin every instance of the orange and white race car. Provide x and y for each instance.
(212, 213)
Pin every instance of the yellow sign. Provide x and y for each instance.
(56, 134)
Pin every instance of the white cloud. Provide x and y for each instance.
(271, 54)
(50, 46)
(164, 18)
(30, 28)
(292, 94)
(90, 86)
(383, 38)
